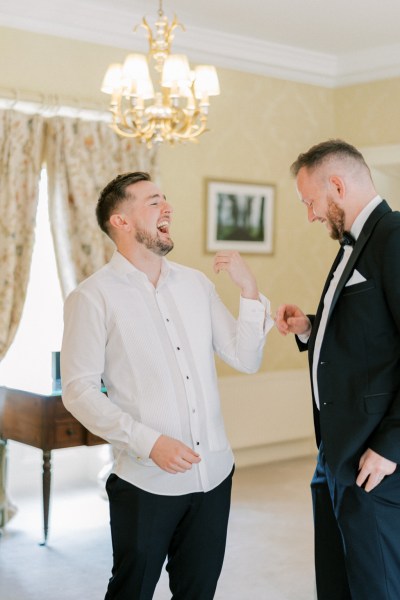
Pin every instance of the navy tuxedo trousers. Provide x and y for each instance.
(357, 537)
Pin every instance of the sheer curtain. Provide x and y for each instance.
(82, 157)
(21, 144)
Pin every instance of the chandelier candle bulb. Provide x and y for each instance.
(178, 109)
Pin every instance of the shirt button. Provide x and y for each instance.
(187, 376)
(193, 410)
(167, 320)
(197, 443)
(177, 348)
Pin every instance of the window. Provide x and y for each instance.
(28, 363)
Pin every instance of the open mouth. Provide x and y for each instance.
(163, 226)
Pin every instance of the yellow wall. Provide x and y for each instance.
(258, 127)
(368, 114)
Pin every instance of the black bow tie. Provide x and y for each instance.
(347, 239)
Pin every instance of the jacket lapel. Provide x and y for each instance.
(320, 308)
(362, 239)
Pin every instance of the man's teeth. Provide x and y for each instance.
(163, 224)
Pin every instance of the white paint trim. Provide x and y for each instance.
(372, 64)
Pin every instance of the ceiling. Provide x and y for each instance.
(326, 42)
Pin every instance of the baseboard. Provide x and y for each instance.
(258, 455)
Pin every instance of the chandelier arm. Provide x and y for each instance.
(148, 29)
(175, 23)
(186, 126)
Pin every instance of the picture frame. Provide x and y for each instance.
(239, 216)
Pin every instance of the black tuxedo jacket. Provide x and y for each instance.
(358, 370)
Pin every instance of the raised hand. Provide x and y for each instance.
(231, 262)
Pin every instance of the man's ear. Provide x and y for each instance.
(119, 221)
(337, 186)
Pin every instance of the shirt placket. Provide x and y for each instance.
(180, 354)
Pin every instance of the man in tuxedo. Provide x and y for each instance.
(353, 344)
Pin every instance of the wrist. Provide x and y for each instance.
(250, 293)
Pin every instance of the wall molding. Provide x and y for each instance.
(261, 455)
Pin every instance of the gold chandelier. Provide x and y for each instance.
(178, 111)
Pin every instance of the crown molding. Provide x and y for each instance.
(78, 21)
(373, 64)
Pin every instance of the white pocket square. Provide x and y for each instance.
(355, 278)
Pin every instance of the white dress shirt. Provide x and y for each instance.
(355, 232)
(154, 349)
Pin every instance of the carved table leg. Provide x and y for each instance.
(46, 492)
(3, 498)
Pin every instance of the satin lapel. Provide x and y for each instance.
(365, 234)
(320, 308)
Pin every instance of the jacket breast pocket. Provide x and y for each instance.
(359, 288)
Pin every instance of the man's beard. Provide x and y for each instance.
(154, 243)
(335, 217)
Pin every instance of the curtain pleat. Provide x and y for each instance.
(21, 145)
(82, 157)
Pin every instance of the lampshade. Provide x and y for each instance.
(136, 77)
(176, 71)
(206, 81)
(112, 81)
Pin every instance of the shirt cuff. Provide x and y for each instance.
(145, 441)
(255, 310)
(303, 337)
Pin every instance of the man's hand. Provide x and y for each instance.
(373, 468)
(290, 319)
(172, 455)
(233, 263)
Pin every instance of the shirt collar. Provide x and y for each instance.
(362, 217)
(123, 266)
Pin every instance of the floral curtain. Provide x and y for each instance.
(82, 157)
(21, 139)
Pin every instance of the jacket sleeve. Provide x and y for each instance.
(386, 438)
(302, 346)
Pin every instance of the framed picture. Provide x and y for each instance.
(240, 216)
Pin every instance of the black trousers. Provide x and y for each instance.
(357, 538)
(146, 528)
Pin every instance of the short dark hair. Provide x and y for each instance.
(113, 194)
(316, 155)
